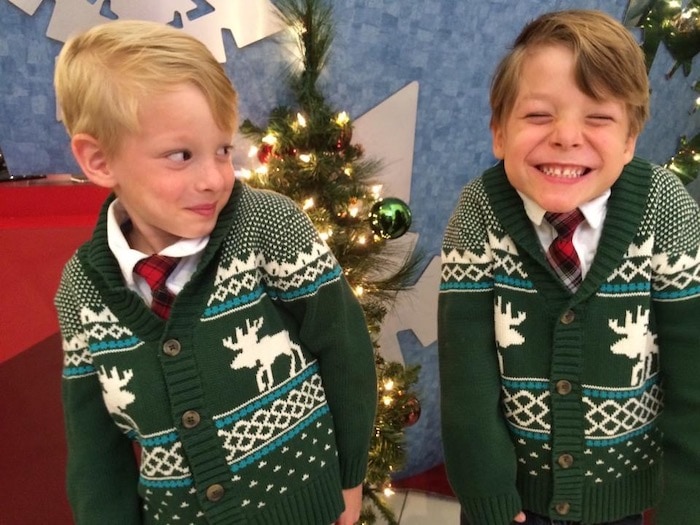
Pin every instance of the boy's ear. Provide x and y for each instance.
(93, 159)
(630, 147)
(497, 142)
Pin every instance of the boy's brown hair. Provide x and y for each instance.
(609, 62)
(105, 74)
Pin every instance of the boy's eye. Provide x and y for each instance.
(225, 150)
(180, 156)
(599, 120)
(538, 118)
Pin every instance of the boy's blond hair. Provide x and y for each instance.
(609, 62)
(104, 74)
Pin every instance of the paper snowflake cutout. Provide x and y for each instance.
(248, 20)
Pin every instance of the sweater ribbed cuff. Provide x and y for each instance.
(498, 510)
(353, 472)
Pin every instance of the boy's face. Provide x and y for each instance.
(175, 175)
(560, 147)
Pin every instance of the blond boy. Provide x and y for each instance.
(204, 321)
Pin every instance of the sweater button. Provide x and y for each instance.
(563, 387)
(562, 508)
(172, 347)
(568, 317)
(215, 492)
(565, 460)
(190, 419)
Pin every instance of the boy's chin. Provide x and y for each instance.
(558, 205)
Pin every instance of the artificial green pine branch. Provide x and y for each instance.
(307, 154)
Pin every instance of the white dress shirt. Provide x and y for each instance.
(586, 236)
(189, 250)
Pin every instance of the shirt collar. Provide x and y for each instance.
(593, 210)
(127, 257)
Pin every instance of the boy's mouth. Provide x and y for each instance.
(563, 172)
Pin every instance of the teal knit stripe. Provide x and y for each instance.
(78, 372)
(537, 436)
(166, 483)
(259, 403)
(464, 286)
(130, 343)
(164, 439)
(679, 294)
(526, 384)
(309, 289)
(590, 391)
(234, 303)
(641, 288)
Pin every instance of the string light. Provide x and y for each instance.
(342, 118)
(253, 151)
(308, 203)
(301, 120)
(244, 173)
(305, 157)
(376, 190)
(270, 139)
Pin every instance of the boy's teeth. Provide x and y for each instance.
(566, 173)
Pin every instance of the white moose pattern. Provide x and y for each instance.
(505, 327)
(261, 353)
(638, 342)
(116, 397)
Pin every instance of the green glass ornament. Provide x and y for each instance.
(390, 218)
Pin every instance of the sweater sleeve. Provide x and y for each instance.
(332, 326)
(479, 455)
(102, 474)
(676, 293)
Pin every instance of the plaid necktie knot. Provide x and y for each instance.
(155, 270)
(562, 255)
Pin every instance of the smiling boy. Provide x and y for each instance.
(204, 321)
(569, 393)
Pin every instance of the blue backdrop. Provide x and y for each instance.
(450, 48)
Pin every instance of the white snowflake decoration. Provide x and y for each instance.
(248, 20)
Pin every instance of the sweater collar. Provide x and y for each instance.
(102, 267)
(626, 206)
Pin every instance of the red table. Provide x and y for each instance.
(42, 222)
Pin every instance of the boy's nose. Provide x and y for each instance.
(567, 134)
(213, 175)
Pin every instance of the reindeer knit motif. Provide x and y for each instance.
(599, 390)
(252, 404)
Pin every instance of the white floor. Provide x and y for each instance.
(418, 508)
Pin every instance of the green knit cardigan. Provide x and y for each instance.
(254, 403)
(583, 406)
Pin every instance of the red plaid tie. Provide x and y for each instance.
(561, 254)
(155, 270)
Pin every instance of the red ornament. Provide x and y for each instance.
(344, 138)
(264, 153)
(413, 415)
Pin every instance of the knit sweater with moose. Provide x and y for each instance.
(254, 403)
(583, 406)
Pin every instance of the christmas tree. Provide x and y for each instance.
(667, 22)
(305, 151)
